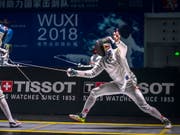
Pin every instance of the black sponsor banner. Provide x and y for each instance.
(43, 91)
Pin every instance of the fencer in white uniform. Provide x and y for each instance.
(5, 36)
(114, 62)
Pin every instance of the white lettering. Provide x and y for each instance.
(156, 88)
(58, 20)
(35, 87)
(44, 87)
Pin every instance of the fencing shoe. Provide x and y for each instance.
(77, 117)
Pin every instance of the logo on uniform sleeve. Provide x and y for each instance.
(7, 86)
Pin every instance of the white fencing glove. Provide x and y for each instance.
(71, 72)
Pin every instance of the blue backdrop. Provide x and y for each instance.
(44, 37)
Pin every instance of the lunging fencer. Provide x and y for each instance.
(5, 37)
(114, 62)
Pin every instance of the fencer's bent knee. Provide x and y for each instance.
(93, 93)
(1, 94)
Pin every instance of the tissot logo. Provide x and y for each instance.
(7, 86)
(36, 86)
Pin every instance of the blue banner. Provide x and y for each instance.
(45, 38)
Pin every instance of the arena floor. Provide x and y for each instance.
(95, 125)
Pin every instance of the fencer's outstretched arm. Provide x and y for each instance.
(96, 70)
